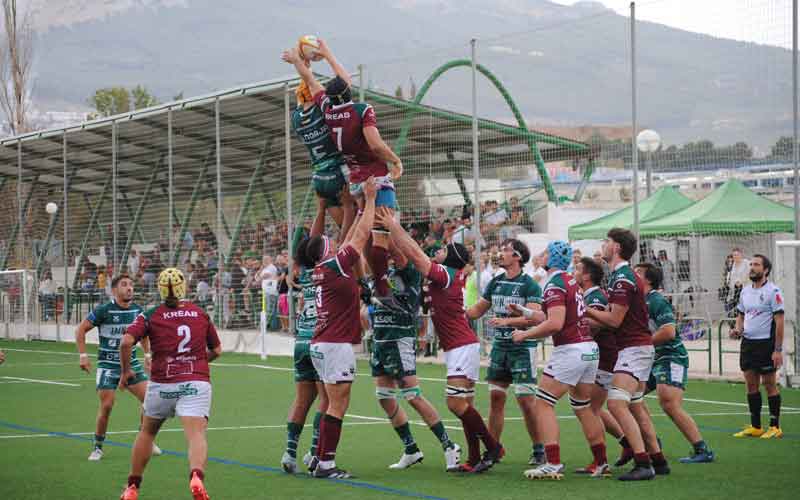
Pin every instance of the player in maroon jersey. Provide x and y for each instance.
(462, 350)
(629, 318)
(338, 328)
(355, 131)
(572, 367)
(183, 341)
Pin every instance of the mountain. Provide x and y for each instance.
(564, 65)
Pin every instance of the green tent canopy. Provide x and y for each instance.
(731, 209)
(664, 201)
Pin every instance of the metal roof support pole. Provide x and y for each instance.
(269, 203)
(219, 307)
(248, 199)
(15, 232)
(635, 129)
(114, 217)
(65, 245)
(20, 254)
(51, 229)
(187, 217)
(100, 231)
(3, 182)
(225, 225)
(171, 202)
(287, 119)
(137, 217)
(476, 174)
(587, 175)
(308, 198)
(124, 195)
(85, 240)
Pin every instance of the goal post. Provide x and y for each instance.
(785, 275)
(19, 304)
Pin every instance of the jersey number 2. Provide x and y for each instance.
(186, 333)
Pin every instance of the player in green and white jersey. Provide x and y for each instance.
(111, 319)
(511, 363)
(394, 363)
(671, 364)
(307, 382)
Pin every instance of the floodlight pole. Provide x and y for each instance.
(795, 158)
(634, 148)
(476, 220)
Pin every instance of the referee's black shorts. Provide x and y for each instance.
(756, 355)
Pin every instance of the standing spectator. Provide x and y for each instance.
(598, 257)
(724, 291)
(488, 270)
(47, 295)
(513, 227)
(133, 262)
(668, 271)
(495, 215)
(577, 255)
(238, 273)
(739, 275)
(463, 233)
(269, 279)
(536, 271)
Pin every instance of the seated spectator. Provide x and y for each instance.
(495, 215)
(513, 226)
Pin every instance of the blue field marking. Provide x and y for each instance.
(224, 461)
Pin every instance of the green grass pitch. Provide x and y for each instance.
(46, 429)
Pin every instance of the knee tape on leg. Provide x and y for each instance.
(637, 397)
(579, 404)
(385, 393)
(410, 393)
(493, 387)
(619, 394)
(454, 391)
(546, 397)
(525, 389)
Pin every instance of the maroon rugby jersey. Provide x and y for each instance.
(347, 122)
(447, 307)
(180, 338)
(337, 299)
(595, 298)
(561, 289)
(626, 289)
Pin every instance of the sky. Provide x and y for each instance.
(760, 21)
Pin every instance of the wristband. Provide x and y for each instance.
(779, 349)
(147, 355)
(526, 311)
(83, 355)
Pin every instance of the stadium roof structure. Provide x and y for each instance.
(730, 209)
(664, 201)
(252, 120)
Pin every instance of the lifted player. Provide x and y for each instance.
(671, 365)
(338, 328)
(184, 341)
(572, 368)
(511, 363)
(394, 365)
(111, 319)
(461, 346)
(355, 130)
(628, 317)
(329, 169)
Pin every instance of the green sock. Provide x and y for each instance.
(315, 435)
(441, 434)
(404, 431)
(293, 436)
(98, 441)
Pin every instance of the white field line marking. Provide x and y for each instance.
(48, 382)
(228, 428)
(40, 364)
(428, 379)
(711, 414)
(83, 379)
(386, 420)
(61, 353)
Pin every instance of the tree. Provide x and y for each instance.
(16, 57)
(398, 92)
(782, 148)
(115, 100)
(412, 90)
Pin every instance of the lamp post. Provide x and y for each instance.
(648, 141)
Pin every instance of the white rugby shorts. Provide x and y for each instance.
(603, 379)
(574, 364)
(464, 361)
(184, 399)
(636, 361)
(335, 362)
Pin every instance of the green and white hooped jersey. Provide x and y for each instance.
(660, 312)
(313, 132)
(111, 320)
(406, 287)
(307, 320)
(502, 291)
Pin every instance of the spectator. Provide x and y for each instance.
(668, 272)
(536, 271)
(463, 233)
(47, 295)
(102, 278)
(740, 271)
(133, 262)
(577, 255)
(238, 273)
(269, 278)
(495, 215)
(513, 227)
(488, 270)
(207, 237)
(598, 257)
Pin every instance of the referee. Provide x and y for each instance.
(759, 323)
